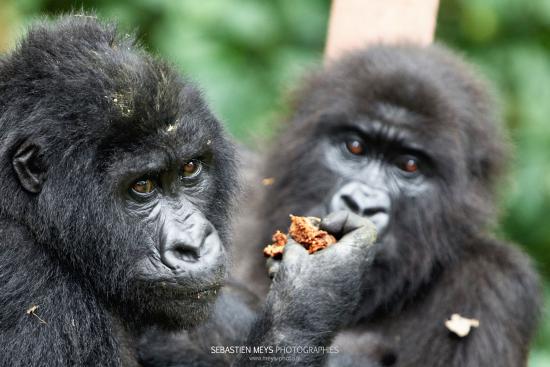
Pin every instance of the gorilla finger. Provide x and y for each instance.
(273, 270)
(293, 252)
(272, 265)
(334, 222)
(341, 222)
(362, 237)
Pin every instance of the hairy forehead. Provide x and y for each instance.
(185, 137)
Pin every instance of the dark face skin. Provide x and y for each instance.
(375, 165)
(186, 260)
(183, 243)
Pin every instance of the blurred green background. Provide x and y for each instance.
(246, 54)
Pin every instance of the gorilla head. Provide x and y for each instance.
(117, 169)
(404, 136)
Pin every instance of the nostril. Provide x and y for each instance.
(369, 212)
(179, 254)
(350, 203)
(186, 252)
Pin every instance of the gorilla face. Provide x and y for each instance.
(184, 258)
(378, 170)
(374, 172)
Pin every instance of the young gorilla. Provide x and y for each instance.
(408, 138)
(108, 161)
(116, 182)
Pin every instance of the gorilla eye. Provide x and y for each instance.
(408, 164)
(411, 166)
(191, 169)
(355, 147)
(144, 186)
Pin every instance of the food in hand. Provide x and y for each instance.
(305, 231)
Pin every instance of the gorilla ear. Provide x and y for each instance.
(29, 167)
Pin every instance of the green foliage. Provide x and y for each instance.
(247, 53)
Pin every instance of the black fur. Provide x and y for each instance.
(437, 257)
(89, 100)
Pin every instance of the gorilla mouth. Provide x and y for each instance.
(205, 293)
(182, 292)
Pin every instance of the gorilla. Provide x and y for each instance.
(109, 161)
(117, 184)
(409, 138)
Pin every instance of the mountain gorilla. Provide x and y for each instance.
(108, 163)
(116, 188)
(407, 137)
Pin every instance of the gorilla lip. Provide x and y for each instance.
(204, 293)
(181, 291)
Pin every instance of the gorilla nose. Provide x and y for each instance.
(191, 242)
(186, 251)
(361, 199)
(358, 204)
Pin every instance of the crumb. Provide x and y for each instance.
(275, 250)
(268, 181)
(461, 326)
(32, 311)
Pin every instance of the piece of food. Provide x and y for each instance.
(305, 231)
(276, 249)
(461, 326)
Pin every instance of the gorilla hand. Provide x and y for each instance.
(312, 295)
(321, 289)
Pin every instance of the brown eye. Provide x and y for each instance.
(144, 186)
(411, 166)
(191, 168)
(355, 147)
(408, 164)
